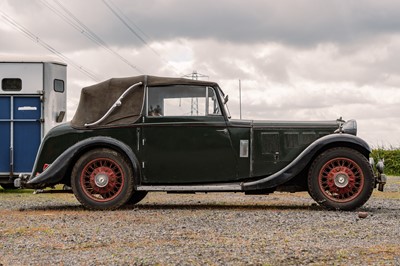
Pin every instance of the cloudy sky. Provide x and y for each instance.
(296, 59)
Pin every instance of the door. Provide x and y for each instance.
(20, 126)
(185, 137)
(5, 137)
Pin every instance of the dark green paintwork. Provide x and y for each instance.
(204, 149)
(187, 150)
(276, 144)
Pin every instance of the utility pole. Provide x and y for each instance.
(195, 75)
(195, 101)
(240, 98)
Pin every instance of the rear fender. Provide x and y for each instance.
(58, 170)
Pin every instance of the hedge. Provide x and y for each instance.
(391, 157)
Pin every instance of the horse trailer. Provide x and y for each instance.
(32, 101)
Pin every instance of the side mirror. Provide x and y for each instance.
(60, 116)
(226, 99)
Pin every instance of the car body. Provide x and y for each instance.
(142, 134)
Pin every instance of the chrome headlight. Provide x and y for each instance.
(349, 127)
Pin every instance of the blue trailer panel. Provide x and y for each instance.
(26, 132)
(19, 118)
(5, 139)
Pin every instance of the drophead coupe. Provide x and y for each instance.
(135, 135)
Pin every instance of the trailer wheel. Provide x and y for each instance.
(102, 179)
(341, 178)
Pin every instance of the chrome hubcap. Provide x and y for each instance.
(341, 180)
(101, 180)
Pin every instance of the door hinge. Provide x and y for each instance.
(143, 141)
(138, 138)
(143, 165)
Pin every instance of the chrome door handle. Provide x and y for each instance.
(225, 131)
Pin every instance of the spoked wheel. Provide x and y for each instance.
(341, 178)
(102, 179)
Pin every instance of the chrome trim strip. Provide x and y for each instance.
(251, 149)
(173, 123)
(207, 103)
(115, 105)
(192, 188)
(146, 108)
(244, 148)
(138, 139)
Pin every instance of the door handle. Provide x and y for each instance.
(225, 131)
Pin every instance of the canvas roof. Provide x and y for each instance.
(97, 99)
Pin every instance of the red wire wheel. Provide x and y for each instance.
(102, 179)
(341, 180)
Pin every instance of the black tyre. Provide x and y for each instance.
(8, 186)
(341, 179)
(136, 197)
(102, 179)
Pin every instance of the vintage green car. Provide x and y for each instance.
(135, 135)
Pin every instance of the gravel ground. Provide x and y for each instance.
(201, 229)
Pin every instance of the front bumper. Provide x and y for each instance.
(380, 177)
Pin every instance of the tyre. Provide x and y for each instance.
(102, 179)
(8, 186)
(341, 179)
(136, 197)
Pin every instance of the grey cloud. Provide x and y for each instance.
(297, 59)
(295, 23)
(299, 22)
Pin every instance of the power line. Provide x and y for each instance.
(113, 10)
(42, 43)
(124, 19)
(83, 29)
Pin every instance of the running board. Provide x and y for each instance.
(237, 187)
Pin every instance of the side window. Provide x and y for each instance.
(182, 100)
(13, 84)
(59, 85)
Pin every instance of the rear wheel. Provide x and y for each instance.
(341, 178)
(102, 179)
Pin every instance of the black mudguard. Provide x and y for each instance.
(56, 172)
(301, 161)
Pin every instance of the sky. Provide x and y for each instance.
(295, 59)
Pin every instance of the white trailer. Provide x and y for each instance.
(32, 101)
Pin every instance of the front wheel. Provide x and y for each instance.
(341, 178)
(102, 179)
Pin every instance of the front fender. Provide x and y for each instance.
(56, 172)
(304, 158)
